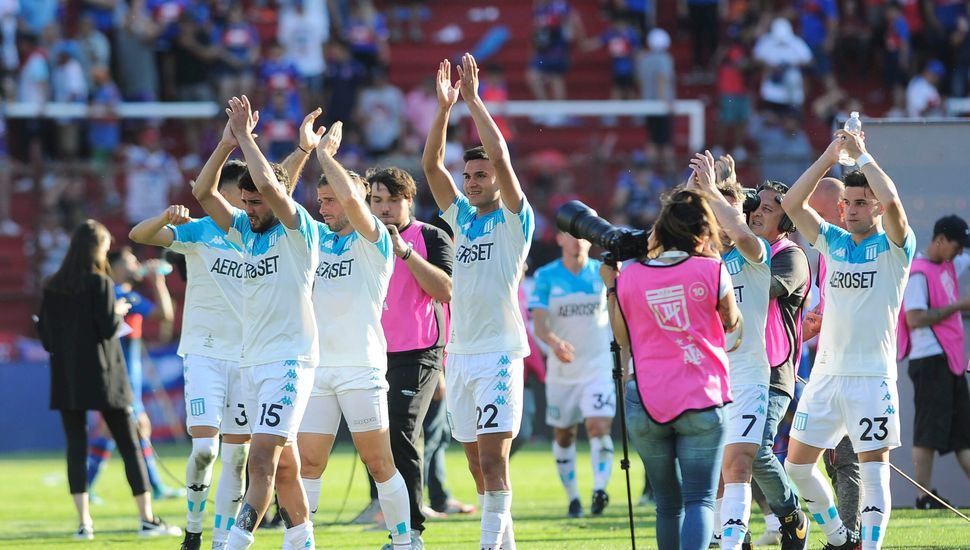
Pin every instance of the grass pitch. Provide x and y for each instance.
(36, 510)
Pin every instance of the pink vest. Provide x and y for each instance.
(409, 319)
(949, 332)
(676, 335)
(776, 336)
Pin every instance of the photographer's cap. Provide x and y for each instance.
(953, 228)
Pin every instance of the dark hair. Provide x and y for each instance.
(855, 178)
(81, 259)
(397, 181)
(362, 183)
(731, 191)
(776, 186)
(684, 220)
(246, 182)
(231, 173)
(115, 255)
(475, 153)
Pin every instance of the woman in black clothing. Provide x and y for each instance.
(78, 322)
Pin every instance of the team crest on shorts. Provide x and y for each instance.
(553, 412)
(800, 422)
(197, 407)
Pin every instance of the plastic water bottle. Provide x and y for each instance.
(164, 269)
(853, 126)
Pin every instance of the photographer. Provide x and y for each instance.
(78, 323)
(680, 381)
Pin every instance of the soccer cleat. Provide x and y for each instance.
(746, 543)
(417, 543)
(600, 502)
(368, 515)
(575, 508)
(715, 541)
(927, 502)
(84, 532)
(794, 531)
(768, 538)
(157, 527)
(192, 541)
(852, 542)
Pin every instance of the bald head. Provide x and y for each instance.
(825, 200)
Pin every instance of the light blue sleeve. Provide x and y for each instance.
(909, 245)
(459, 213)
(383, 242)
(767, 251)
(540, 292)
(828, 235)
(240, 221)
(527, 219)
(308, 227)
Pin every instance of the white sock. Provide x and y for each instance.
(239, 539)
(508, 536)
(566, 466)
(717, 516)
(481, 502)
(198, 477)
(815, 491)
(496, 515)
(299, 536)
(772, 523)
(735, 513)
(229, 493)
(876, 503)
(312, 488)
(601, 455)
(393, 496)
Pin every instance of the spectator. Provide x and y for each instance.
(344, 75)
(380, 113)
(636, 199)
(93, 48)
(492, 89)
(8, 227)
(104, 131)
(960, 39)
(279, 122)
(35, 72)
(622, 43)
(421, 104)
(103, 13)
(702, 15)
(239, 52)
(194, 55)
(135, 51)
(897, 52)
(411, 10)
(655, 71)
(782, 55)
(365, 31)
(152, 176)
(68, 85)
(785, 149)
(278, 74)
(37, 15)
(9, 59)
(555, 27)
(819, 20)
(922, 97)
(52, 243)
(303, 31)
(734, 96)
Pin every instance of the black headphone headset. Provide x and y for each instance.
(785, 225)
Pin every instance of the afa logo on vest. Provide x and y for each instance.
(669, 306)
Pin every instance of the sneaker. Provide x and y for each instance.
(417, 543)
(600, 501)
(368, 515)
(575, 509)
(458, 507)
(220, 545)
(192, 541)
(157, 527)
(769, 538)
(84, 532)
(715, 541)
(431, 513)
(164, 493)
(94, 499)
(852, 542)
(794, 531)
(927, 502)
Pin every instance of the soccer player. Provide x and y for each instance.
(350, 287)
(279, 241)
(493, 225)
(853, 385)
(931, 335)
(569, 311)
(747, 259)
(790, 284)
(413, 321)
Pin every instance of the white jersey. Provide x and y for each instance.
(863, 292)
(576, 304)
(212, 317)
(348, 297)
(278, 323)
(752, 285)
(490, 251)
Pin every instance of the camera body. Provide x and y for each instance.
(620, 243)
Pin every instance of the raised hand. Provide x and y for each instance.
(398, 244)
(703, 166)
(447, 92)
(310, 138)
(564, 351)
(834, 150)
(724, 170)
(330, 142)
(242, 119)
(177, 214)
(468, 77)
(852, 143)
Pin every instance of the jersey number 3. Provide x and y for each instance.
(869, 423)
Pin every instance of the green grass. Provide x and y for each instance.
(36, 510)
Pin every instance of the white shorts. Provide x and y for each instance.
(867, 407)
(568, 403)
(484, 394)
(360, 393)
(213, 395)
(276, 396)
(746, 415)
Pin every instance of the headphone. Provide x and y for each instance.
(785, 225)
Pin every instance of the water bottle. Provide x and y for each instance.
(853, 126)
(164, 268)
